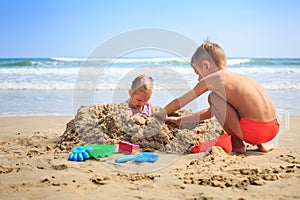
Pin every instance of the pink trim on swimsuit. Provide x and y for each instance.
(258, 132)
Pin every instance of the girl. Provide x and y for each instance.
(140, 94)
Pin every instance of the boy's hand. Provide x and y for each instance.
(174, 120)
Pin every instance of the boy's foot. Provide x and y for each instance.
(240, 149)
(265, 147)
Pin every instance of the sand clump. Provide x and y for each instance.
(219, 169)
(110, 123)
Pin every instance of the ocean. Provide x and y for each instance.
(59, 86)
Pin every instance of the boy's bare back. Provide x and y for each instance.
(246, 95)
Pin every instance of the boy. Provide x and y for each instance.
(240, 104)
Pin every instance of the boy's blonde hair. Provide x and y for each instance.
(142, 82)
(212, 52)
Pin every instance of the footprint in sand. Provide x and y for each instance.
(288, 158)
(137, 176)
(100, 179)
(5, 170)
(60, 167)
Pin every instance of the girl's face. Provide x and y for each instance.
(138, 99)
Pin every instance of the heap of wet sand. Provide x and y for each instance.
(111, 123)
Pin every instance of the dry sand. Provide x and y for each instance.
(30, 169)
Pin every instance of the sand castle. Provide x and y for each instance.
(110, 123)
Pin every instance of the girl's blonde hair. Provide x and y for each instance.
(212, 52)
(142, 82)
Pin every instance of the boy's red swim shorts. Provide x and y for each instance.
(258, 132)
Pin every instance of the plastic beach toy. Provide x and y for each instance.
(223, 141)
(127, 147)
(141, 157)
(81, 153)
(101, 150)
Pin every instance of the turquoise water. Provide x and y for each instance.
(50, 86)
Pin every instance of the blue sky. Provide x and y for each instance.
(73, 28)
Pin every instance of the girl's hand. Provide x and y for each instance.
(174, 120)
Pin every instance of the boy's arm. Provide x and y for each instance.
(180, 102)
(211, 82)
(195, 117)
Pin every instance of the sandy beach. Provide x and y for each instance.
(30, 169)
(68, 82)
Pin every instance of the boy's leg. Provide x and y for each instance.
(228, 117)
